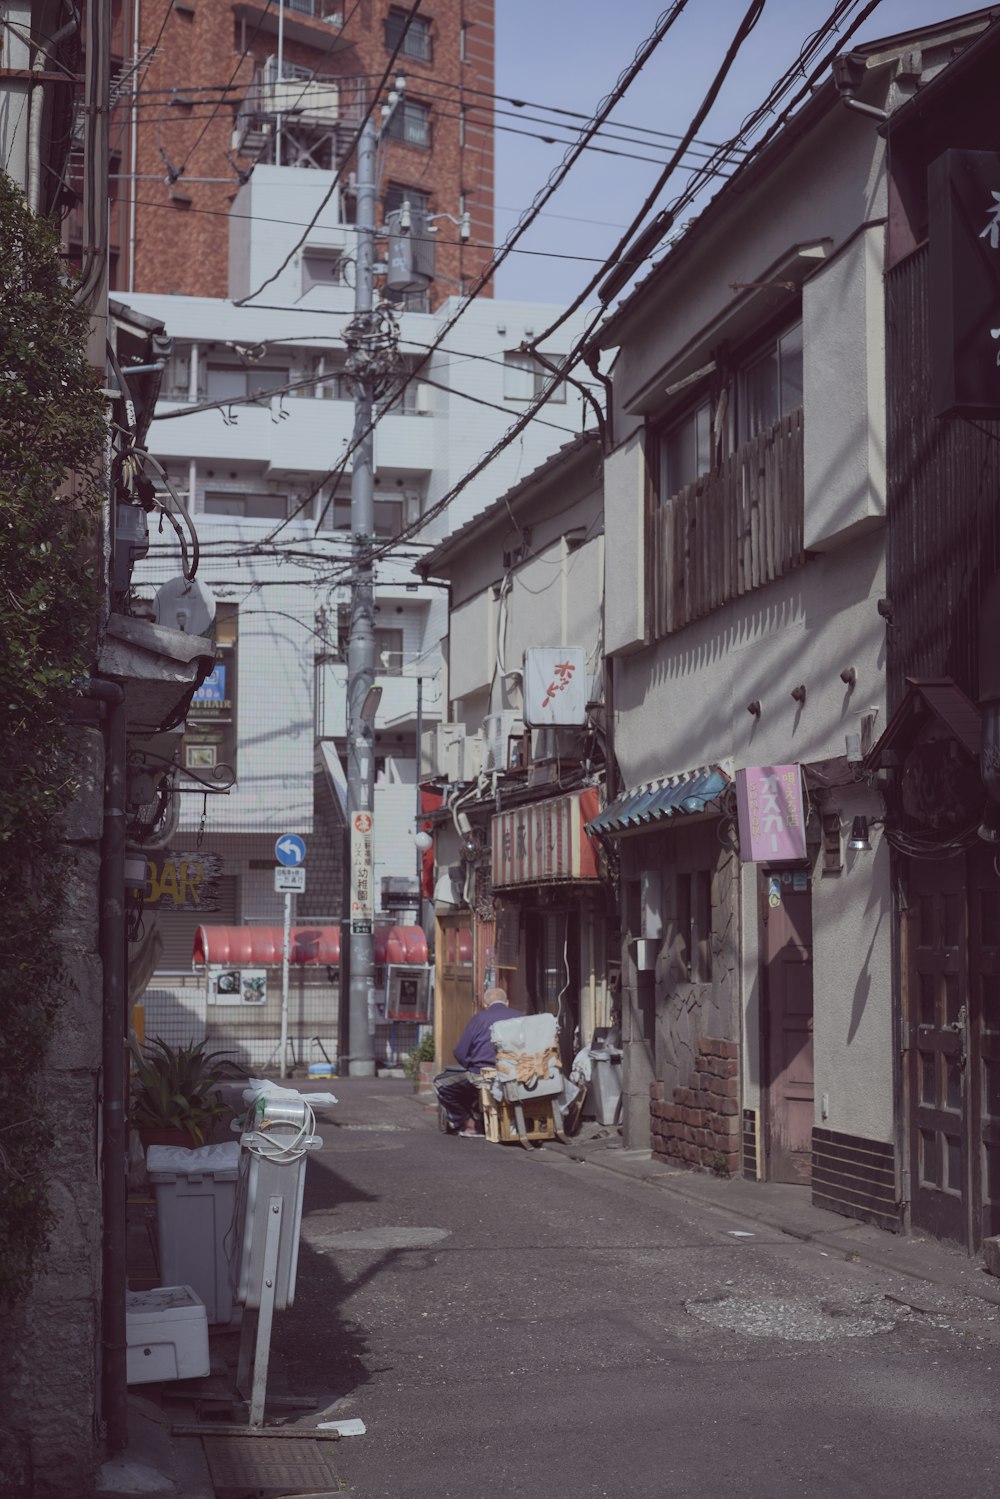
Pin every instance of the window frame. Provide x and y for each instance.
(418, 43)
(400, 124)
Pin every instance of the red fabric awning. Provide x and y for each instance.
(262, 946)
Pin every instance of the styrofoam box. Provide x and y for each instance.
(167, 1335)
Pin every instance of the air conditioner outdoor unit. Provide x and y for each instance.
(310, 100)
(563, 743)
(498, 729)
(465, 758)
(434, 745)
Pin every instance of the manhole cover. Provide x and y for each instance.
(795, 1321)
(282, 1465)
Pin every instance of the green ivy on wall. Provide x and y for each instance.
(52, 438)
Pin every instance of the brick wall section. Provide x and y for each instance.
(182, 230)
(700, 1127)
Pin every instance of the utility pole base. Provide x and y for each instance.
(361, 1068)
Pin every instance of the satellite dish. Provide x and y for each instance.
(184, 606)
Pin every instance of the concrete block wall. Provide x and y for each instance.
(699, 1126)
(49, 1383)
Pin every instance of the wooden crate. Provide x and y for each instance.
(500, 1120)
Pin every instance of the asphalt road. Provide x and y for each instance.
(523, 1324)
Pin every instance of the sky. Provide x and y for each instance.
(568, 54)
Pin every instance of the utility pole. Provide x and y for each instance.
(361, 644)
(372, 339)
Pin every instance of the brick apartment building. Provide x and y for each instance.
(206, 89)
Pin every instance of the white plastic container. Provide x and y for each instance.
(195, 1217)
(166, 1332)
(605, 1090)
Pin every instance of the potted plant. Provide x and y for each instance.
(175, 1094)
(419, 1064)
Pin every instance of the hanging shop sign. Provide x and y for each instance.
(771, 812)
(964, 277)
(545, 841)
(555, 686)
(182, 882)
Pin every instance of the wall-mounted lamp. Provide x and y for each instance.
(799, 694)
(859, 835)
(849, 676)
(423, 841)
(754, 707)
(884, 607)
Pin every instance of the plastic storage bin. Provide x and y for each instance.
(195, 1213)
(605, 1091)
(166, 1332)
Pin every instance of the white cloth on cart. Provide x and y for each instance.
(528, 1064)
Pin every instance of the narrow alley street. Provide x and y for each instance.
(518, 1324)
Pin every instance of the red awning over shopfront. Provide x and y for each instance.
(263, 946)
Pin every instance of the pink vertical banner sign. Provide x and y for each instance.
(771, 813)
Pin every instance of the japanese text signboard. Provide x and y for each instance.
(964, 283)
(362, 896)
(771, 812)
(555, 686)
(545, 842)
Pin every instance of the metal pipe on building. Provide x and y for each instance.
(114, 1127)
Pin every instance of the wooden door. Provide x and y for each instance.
(938, 1036)
(984, 1044)
(788, 1025)
(455, 992)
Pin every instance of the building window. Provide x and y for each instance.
(524, 378)
(210, 726)
(232, 382)
(388, 653)
(248, 506)
(694, 926)
(322, 268)
(685, 451)
(396, 195)
(410, 122)
(417, 41)
(770, 384)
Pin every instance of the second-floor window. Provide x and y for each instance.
(685, 451)
(231, 382)
(410, 122)
(417, 41)
(770, 384)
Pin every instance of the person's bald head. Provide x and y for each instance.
(494, 997)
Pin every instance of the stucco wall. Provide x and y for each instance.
(624, 511)
(683, 702)
(843, 326)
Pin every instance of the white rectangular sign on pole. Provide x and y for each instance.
(289, 881)
(362, 895)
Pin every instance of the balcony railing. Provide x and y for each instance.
(729, 532)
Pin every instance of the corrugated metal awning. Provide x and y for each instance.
(263, 946)
(683, 795)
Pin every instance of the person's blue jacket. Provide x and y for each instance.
(474, 1049)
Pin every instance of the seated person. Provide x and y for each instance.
(474, 1050)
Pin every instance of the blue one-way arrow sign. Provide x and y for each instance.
(290, 850)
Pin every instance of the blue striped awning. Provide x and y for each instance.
(671, 796)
